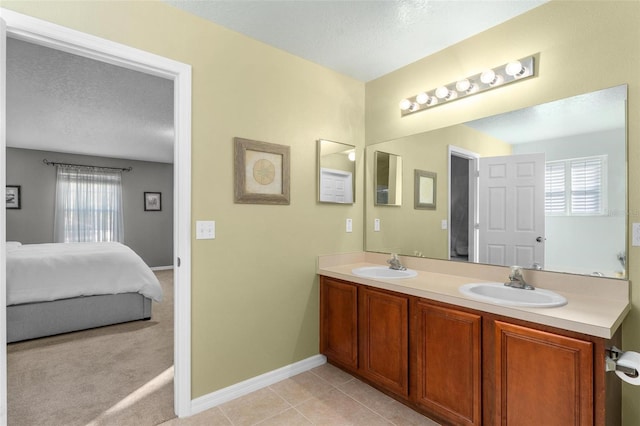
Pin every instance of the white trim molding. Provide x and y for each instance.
(227, 394)
(47, 34)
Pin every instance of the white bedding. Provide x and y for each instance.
(46, 272)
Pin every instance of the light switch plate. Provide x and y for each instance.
(443, 224)
(376, 225)
(635, 234)
(205, 229)
(349, 225)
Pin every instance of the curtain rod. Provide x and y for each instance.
(53, 163)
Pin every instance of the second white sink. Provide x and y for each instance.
(500, 294)
(383, 272)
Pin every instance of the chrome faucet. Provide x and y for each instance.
(394, 263)
(516, 279)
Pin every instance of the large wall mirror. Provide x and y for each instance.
(567, 214)
(336, 171)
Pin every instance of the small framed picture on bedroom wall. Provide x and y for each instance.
(13, 196)
(152, 201)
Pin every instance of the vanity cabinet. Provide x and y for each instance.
(542, 378)
(384, 339)
(446, 353)
(339, 322)
(461, 366)
(366, 331)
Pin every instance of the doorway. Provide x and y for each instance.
(44, 33)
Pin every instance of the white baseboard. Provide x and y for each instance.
(227, 394)
(161, 268)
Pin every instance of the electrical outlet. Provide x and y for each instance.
(205, 229)
(349, 225)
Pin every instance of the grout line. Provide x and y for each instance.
(363, 404)
(225, 415)
(303, 416)
(270, 417)
(278, 413)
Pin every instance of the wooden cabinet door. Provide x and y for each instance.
(384, 339)
(542, 378)
(447, 354)
(339, 322)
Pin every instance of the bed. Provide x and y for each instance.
(59, 288)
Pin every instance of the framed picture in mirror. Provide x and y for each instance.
(152, 201)
(387, 179)
(424, 190)
(12, 196)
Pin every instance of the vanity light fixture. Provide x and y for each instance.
(489, 79)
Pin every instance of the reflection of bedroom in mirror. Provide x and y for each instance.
(336, 171)
(577, 149)
(53, 303)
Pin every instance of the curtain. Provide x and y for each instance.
(88, 205)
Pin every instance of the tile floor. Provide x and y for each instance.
(324, 395)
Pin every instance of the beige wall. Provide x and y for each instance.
(255, 305)
(255, 294)
(404, 229)
(582, 46)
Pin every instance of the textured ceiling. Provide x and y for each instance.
(360, 38)
(57, 101)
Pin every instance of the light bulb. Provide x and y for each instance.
(405, 104)
(463, 85)
(422, 98)
(488, 77)
(442, 92)
(515, 69)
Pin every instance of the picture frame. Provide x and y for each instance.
(152, 201)
(12, 197)
(425, 184)
(261, 172)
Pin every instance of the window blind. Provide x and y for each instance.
(576, 186)
(555, 198)
(586, 185)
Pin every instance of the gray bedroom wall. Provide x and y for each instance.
(148, 233)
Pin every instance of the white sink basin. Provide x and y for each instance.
(500, 294)
(383, 272)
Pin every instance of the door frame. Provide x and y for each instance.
(473, 158)
(44, 33)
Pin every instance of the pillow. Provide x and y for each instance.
(12, 245)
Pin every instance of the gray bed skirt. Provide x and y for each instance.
(33, 320)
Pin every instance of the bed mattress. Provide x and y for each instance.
(47, 272)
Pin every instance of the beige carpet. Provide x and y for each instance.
(115, 375)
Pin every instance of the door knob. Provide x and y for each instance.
(540, 239)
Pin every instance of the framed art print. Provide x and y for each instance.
(261, 172)
(12, 196)
(424, 190)
(152, 201)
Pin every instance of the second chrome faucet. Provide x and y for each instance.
(394, 263)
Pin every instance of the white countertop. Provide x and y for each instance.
(592, 308)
